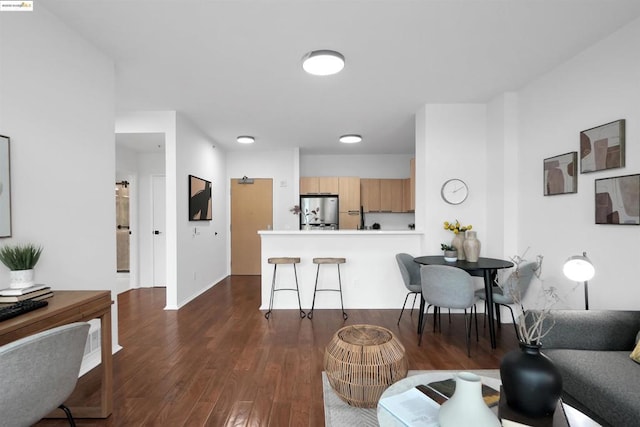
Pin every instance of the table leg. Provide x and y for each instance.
(490, 310)
(106, 389)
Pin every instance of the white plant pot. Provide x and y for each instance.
(21, 279)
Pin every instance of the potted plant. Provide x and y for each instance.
(21, 260)
(450, 253)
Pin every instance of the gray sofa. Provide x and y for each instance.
(591, 349)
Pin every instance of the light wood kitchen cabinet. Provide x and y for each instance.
(406, 195)
(349, 201)
(395, 188)
(370, 194)
(412, 186)
(319, 185)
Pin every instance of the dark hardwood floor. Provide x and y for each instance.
(219, 362)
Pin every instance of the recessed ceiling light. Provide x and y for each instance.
(246, 139)
(323, 62)
(350, 139)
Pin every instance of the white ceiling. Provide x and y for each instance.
(233, 67)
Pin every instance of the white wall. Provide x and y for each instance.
(596, 87)
(202, 245)
(282, 167)
(56, 104)
(363, 166)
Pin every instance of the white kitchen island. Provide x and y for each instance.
(370, 277)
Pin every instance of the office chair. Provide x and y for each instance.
(410, 272)
(512, 292)
(39, 372)
(449, 287)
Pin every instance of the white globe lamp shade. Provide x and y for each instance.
(323, 62)
(579, 268)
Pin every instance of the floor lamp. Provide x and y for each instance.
(580, 269)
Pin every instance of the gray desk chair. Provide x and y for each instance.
(512, 292)
(39, 372)
(410, 272)
(449, 287)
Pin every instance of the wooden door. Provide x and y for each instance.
(251, 210)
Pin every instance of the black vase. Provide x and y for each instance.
(530, 381)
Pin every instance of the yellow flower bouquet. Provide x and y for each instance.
(456, 227)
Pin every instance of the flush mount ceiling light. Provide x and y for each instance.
(323, 62)
(350, 139)
(245, 139)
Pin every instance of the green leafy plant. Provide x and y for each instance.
(446, 247)
(20, 257)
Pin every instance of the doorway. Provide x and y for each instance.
(123, 230)
(251, 210)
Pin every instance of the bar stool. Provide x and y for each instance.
(319, 262)
(276, 262)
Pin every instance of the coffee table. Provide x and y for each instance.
(490, 377)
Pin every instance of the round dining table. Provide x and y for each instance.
(486, 268)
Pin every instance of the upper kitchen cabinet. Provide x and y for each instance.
(349, 192)
(319, 185)
(370, 194)
(391, 195)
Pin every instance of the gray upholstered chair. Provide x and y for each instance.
(449, 287)
(39, 372)
(410, 272)
(512, 291)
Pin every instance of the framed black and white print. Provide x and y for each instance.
(199, 199)
(618, 200)
(602, 147)
(560, 174)
(5, 187)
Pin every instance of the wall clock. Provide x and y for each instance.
(454, 191)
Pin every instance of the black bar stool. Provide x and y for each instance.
(319, 262)
(276, 262)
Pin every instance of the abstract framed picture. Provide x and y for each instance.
(5, 187)
(560, 174)
(199, 199)
(602, 147)
(618, 200)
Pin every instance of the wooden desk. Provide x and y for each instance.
(68, 307)
(485, 268)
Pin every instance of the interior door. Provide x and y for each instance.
(122, 227)
(251, 210)
(159, 238)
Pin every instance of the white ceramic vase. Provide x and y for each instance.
(457, 242)
(471, 246)
(466, 407)
(21, 279)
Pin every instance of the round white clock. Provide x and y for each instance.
(454, 191)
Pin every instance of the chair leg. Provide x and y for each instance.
(467, 331)
(315, 288)
(415, 296)
(515, 325)
(302, 313)
(273, 286)
(475, 310)
(405, 303)
(345, 316)
(67, 412)
(422, 323)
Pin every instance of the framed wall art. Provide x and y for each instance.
(618, 200)
(602, 147)
(5, 188)
(560, 174)
(199, 199)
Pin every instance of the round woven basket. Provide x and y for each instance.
(361, 361)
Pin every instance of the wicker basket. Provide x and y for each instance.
(361, 361)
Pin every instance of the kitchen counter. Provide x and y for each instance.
(370, 277)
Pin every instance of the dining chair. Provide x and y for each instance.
(449, 287)
(39, 372)
(410, 272)
(512, 291)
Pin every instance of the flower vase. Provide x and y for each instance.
(530, 381)
(450, 256)
(467, 407)
(471, 246)
(457, 242)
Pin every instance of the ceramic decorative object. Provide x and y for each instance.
(530, 381)
(21, 279)
(450, 256)
(467, 407)
(471, 246)
(457, 242)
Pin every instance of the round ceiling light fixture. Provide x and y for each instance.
(350, 138)
(323, 62)
(245, 139)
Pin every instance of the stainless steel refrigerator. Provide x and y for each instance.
(319, 212)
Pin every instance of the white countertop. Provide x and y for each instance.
(339, 232)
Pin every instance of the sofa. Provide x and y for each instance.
(591, 349)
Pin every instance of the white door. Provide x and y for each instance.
(159, 238)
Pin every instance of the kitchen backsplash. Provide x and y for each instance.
(389, 221)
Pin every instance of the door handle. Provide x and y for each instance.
(156, 231)
(123, 227)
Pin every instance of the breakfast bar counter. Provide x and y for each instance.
(370, 276)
